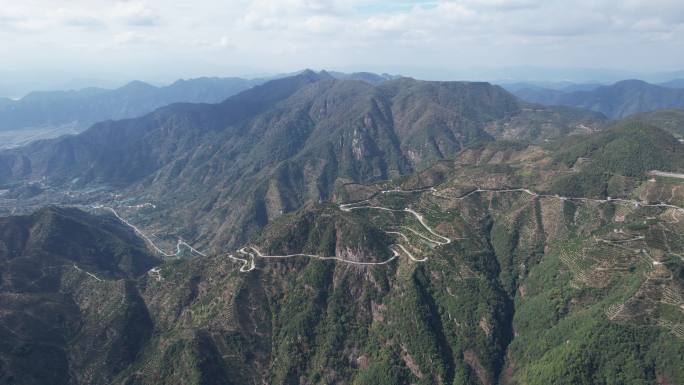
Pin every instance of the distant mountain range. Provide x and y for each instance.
(566, 86)
(84, 107)
(551, 86)
(49, 114)
(615, 101)
(367, 77)
(676, 83)
(79, 109)
(270, 149)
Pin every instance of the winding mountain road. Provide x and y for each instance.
(249, 262)
(147, 239)
(88, 273)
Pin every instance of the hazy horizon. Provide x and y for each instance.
(58, 44)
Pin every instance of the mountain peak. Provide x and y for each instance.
(323, 74)
(309, 73)
(138, 85)
(632, 83)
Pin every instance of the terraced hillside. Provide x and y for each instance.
(483, 269)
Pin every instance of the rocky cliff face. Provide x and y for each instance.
(218, 173)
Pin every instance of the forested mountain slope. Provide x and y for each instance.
(70, 311)
(475, 270)
(223, 171)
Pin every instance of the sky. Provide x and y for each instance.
(57, 41)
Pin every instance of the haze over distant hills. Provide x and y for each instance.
(21, 82)
(84, 107)
(616, 101)
(676, 83)
(46, 114)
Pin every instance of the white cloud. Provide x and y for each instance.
(78, 18)
(135, 13)
(502, 5)
(283, 35)
(38, 15)
(134, 37)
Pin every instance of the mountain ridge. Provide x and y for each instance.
(87, 106)
(283, 143)
(616, 101)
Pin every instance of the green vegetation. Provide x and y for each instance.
(530, 288)
(616, 101)
(629, 149)
(671, 121)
